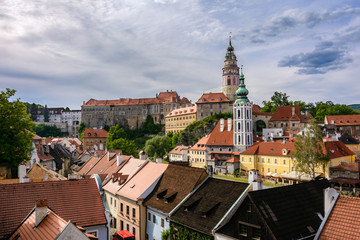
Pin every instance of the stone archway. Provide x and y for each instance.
(259, 125)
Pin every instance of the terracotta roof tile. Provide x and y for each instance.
(213, 98)
(284, 113)
(178, 149)
(136, 187)
(183, 111)
(49, 228)
(224, 138)
(78, 201)
(201, 144)
(343, 120)
(344, 220)
(163, 97)
(95, 133)
(345, 166)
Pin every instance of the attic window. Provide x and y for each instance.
(191, 206)
(89, 134)
(161, 194)
(209, 210)
(170, 197)
(95, 134)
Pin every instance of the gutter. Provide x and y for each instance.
(326, 217)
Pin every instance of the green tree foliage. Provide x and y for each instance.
(33, 111)
(329, 108)
(310, 152)
(48, 131)
(81, 130)
(46, 114)
(16, 131)
(278, 99)
(67, 109)
(198, 129)
(318, 110)
(116, 132)
(128, 147)
(165, 235)
(117, 139)
(106, 128)
(158, 146)
(149, 127)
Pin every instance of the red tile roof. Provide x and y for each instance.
(344, 220)
(284, 113)
(343, 120)
(136, 188)
(178, 149)
(163, 97)
(88, 165)
(95, 133)
(335, 149)
(270, 149)
(78, 201)
(183, 111)
(200, 145)
(256, 108)
(345, 166)
(338, 149)
(224, 138)
(213, 98)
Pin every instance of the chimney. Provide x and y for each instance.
(254, 180)
(158, 160)
(221, 125)
(41, 211)
(21, 173)
(229, 124)
(119, 159)
(293, 110)
(332, 121)
(25, 180)
(330, 195)
(72, 177)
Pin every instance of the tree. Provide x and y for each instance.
(128, 147)
(46, 114)
(16, 131)
(149, 127)
(278, 99)
(310, 151)
(67, 109)
(158, 146)
(115, 132)
(81, 130)
(47, 131)
(33, 111)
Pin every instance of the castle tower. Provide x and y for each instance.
(230, 77)
(243, 126)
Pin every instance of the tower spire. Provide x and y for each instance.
(242, 92)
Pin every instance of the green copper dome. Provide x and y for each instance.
(242, 92)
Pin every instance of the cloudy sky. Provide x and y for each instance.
(64, 52)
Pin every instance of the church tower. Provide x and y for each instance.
(243, 126)
(230, 77)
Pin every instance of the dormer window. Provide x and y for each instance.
(95, 134)
(89, 134)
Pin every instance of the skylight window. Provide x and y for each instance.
(132, 186)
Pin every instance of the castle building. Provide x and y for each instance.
(130, 112)
(178, 119)
(230, 76)
(243, 124)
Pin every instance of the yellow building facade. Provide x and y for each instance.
(274, 158)
(178, 119)
(197, 153)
